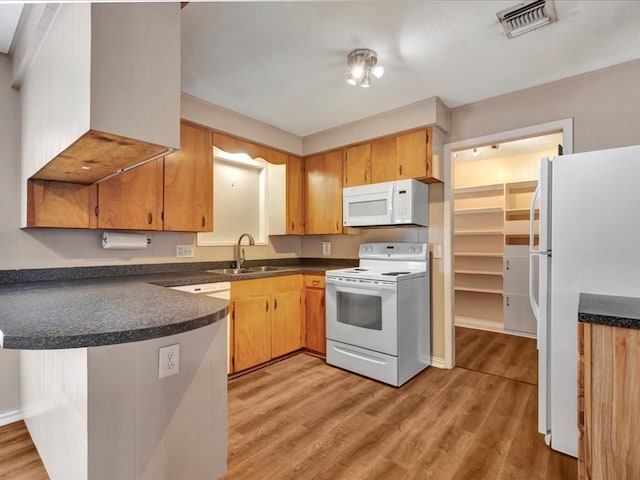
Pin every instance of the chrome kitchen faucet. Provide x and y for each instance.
(239, 254)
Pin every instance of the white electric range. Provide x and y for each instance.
(378, 322)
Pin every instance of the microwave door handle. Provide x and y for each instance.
(390, 202)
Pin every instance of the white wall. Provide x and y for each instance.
(9, 215)
(604, 105)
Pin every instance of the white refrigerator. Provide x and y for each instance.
(589, 233)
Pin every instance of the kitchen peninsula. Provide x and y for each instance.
(89, 388)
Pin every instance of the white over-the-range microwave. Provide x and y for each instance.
(402, 202)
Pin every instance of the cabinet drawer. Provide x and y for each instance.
(314, 281)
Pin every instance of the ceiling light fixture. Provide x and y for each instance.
(363, 63)
(475, 152)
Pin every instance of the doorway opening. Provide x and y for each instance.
(491, 181)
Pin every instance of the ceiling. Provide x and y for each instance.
(284, 63)
(9, 16)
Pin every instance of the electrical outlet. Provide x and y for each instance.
(326, 249)
(184, 250)
(169, 360)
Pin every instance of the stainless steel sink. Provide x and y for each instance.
(269, 268)
(244, 271)
(232, 271)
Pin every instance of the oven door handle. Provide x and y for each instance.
(360, 284)
(353, 354)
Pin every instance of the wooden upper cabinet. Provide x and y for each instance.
(413, 155)
(132, 200)
(188, 182)
(323, 193)
(357, 165)
(59, 204)
(402, 156)
(295, 196)
(237, 145)
(383, 160)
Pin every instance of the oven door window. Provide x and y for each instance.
(357, 310)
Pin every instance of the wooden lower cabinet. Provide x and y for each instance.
(315, 334)
(252, 332)
(608, 393)
(266, 320)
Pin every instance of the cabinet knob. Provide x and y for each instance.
(203, 222)
(150, 218)
(293, 227)
(315, 282)
(322, 301)
(365, 176)
(266, 305)
(275, 303)
(400, 169)
(337, 226)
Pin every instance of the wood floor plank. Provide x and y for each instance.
(301, 419)
(499, 354)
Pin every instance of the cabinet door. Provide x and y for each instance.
(286, 323)
(59, 204)
(518, 316)
(383, 160)
(411, 151)
(188, 183)
(516, 275)
(323, 193)
(295, 196)
(316, 337)
(133, 199)
(252, 332)
(357, 165)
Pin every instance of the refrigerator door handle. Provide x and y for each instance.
(532, 220)
(532, 299)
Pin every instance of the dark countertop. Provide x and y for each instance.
(609, 310)
(69, 311)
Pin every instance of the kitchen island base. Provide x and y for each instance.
(102, 412)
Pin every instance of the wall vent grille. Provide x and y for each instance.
(526, 16)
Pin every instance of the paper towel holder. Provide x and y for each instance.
(124, 241)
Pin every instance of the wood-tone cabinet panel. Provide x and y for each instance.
(252, 332)
(323, 193)
(237, 145)
(608, 390)
(315, 328)
(383, 160)
(357, 165)
(133, 199)
(59, 204)
(295, 196)
(265, 331)
(286, 323)
(413, 156)
(188, 182)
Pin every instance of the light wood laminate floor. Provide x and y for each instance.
(302, 419)
(499, 354)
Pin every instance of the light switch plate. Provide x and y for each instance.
(437, 251)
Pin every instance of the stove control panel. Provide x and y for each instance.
(395, 251)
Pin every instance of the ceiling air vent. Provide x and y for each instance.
(526, 16)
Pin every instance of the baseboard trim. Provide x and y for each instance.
(10, 417)
(479, 324)
(438, 362)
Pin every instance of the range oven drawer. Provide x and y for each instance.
(378, 366)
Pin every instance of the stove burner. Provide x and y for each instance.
(395, 274)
